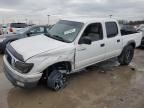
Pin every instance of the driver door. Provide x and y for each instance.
(90, 54)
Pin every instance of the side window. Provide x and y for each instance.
(37, 30)
(111, 29)
(94, 31)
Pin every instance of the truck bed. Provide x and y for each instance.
(136, 37)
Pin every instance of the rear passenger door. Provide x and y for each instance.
(113, 41)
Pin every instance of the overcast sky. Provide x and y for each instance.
(37, 10)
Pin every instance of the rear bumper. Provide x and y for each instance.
(18, 79)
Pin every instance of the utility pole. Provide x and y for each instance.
(3, 21)
(48, 19)
(26, 20)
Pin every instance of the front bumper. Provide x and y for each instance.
(2, 48)
(18, 79)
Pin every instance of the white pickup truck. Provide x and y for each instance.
(70, 46)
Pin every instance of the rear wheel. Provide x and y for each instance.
(127, 55)
(1, 52)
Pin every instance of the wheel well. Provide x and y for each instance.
(64, 65)
(132, 43)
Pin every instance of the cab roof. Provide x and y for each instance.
(91, 20)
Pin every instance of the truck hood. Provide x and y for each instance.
(32, 46)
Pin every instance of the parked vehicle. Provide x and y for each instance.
(14, 27)
(2, 29)
(140, 27)
(142, 41)
(23, 33)
(68, 47)
(128, 29)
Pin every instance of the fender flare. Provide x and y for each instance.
(54, 60)
(131, 42)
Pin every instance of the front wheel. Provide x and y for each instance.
(127, 55)
(56, 80)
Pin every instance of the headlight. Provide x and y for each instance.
(23, 67)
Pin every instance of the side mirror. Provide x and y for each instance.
(29, 33)
(85, 40)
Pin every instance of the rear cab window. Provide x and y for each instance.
(111, 29)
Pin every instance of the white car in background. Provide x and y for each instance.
(141, 29)
(14, 27)
(3, 29)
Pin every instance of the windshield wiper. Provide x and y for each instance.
(56, 37)
(60, 38)
(48, 34)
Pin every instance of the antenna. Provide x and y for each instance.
(110, 16)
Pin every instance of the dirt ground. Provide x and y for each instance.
(105, 85)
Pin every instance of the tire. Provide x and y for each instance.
(56, 80)
(1, 52)
(127, 55)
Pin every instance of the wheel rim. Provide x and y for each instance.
(56, 80)
(129, 55)
(59, 82)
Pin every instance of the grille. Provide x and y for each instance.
(14, 53)
(9, 58)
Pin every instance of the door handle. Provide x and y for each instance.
(102, 45)
(118, 40)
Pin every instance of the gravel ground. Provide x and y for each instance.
(104, 85)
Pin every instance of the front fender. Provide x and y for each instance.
(42, 62)
(53, 60)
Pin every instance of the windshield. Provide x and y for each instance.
(23, 30)
(65, 31)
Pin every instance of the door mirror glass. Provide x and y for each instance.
(85, 40)
(29, 34)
